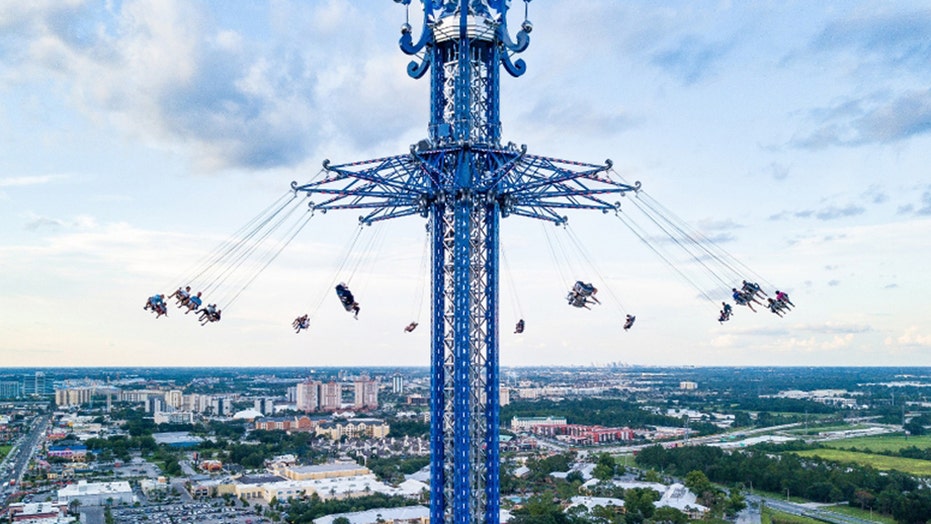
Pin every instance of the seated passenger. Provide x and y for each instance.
(629, 323)
(742, 299)
(753, 289)
(519, 328)
(410, 327)
(725, 313)
(181, 294)
(346, 298)
(194, 303)
(156, 303)
(207, 313)
(784, 298)
(301, 323)
(774, 307)
(584, 289)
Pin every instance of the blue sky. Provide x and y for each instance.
(137, 135)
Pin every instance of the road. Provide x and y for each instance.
(20, 455)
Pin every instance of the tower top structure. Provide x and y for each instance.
(465, 102)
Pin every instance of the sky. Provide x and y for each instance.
(138, 135)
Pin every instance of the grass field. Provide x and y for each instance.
(861, 514)
(4, 450)
(916, 467)
(814, 430)
(882, 442)
(771, 516)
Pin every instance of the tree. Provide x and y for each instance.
(341, 520)
(669, 515)
(605, 467)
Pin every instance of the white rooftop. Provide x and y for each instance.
(371, 516)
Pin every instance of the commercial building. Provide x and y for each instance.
(97, 493)
(404, 515)
(526, 423)
(323, 471)
(303, 423)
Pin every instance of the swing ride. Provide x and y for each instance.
(463, 180)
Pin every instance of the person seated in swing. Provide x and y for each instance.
(753, 289)
(742, 299)
(346, 298)
(213, 317)
(181, 294)
(774, 307)
(725, 313)
(156, 303)
(411, 327)
(207, 314)
(193, 303)
(519, 328)
(301, 323)
(629, 322)
(586, 290)
(784, 298)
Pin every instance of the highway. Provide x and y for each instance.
(14, 465)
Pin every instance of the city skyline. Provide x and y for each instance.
(141, 134)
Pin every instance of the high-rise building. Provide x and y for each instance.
(222, 406)
(504, 395)
(308, 396)
(154, 404)
(366, 393)
(174, 398)
(11, 390)
(331, 396)
(397, 384)
(264, 405)
(36, 384)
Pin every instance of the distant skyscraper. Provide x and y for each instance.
(36, 384)
(331, 396)
(397, 384)
(308, 396)
(504, 395)
(264, 405)
(366, 393)
(11, 390)
(222, 407)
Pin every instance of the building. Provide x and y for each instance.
(154, 404)
(504, 395)
(397, 384)
(308, 396)
(582, 435)
(221, 406)
(366, 394)
(403, 515)
(75, 452)
(73, 396)
(41, 512)
(10, 389)
(526, 423)
(174, 398)
(303, 423)
(354, 428)
(177, 439)
(264, 405)
(323, 471)
(688, 385)
(174, 417)
(331, 396)
(97, 493)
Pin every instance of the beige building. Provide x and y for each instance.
(354, 428)
(322, 471)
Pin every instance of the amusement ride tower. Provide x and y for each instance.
(463, 181)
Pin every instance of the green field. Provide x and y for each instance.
(864, 514)
(814, 430)
(4, 450)
(882, 443)
(916, 467)
(771, 516)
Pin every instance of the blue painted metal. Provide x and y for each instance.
(464, 181)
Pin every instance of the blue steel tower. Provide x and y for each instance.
(463, 181)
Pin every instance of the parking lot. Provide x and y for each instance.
(200, 512)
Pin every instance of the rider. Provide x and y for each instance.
(346, 298)
(726, 312)
(519, 328)
(784, 298)
(742, 299)
(207, 314)
(629, 322)
(774, 306)
(301, 323)
(753, 289)
(181, 294)
(193, 303)
(411, 327)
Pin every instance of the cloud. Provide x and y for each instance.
(779, 171)
(21, 181)
(910, 338)
(896, 40)
(163, 69)
(690, 60)
(870, 120)
(578, 115)
(41, 222)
